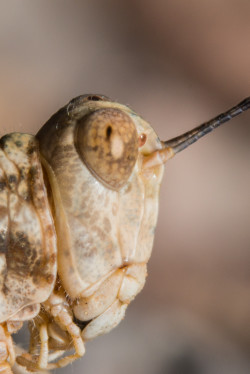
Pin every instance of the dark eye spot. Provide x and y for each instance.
(95, 98)
(108, 132)
(12, 179)
(18, 143)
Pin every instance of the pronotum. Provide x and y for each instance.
(78, 209)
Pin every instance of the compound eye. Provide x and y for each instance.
(107, 141)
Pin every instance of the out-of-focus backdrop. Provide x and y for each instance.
(177, 63)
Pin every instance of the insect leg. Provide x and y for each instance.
(62, 332)
(44, 350)
(64, 318)
(38, 355)
(5, 368)
(7, 353)
(42, 362)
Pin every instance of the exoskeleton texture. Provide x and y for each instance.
(78, 210)
(77, 203)
(27, 234)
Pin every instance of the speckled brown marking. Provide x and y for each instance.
(50, 278)
(103, 180)
(93, 217)
(128, 188)
(102, 208)
(99, 232)
(52, 259)
(49, 231)
(26, 275)
(114, 209)
(3, 242)
(3, 185)
(68, 148)
(106, 225)
(33, 266)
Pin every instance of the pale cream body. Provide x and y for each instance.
(59, 217)
(27, 235)
(105, 236)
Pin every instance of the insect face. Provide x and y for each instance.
(88, 231)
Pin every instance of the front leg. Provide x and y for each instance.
(5, 368)
(7, 353)
(53, 330)
(59, 309)
(17, 369)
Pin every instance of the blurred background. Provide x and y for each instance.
(178, 63)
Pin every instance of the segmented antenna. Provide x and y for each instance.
(183, 141)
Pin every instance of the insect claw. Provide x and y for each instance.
(29, 362)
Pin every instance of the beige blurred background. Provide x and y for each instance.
(177, 63)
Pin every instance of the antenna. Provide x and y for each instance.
(183, 141)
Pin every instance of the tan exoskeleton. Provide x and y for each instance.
(78, 210)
